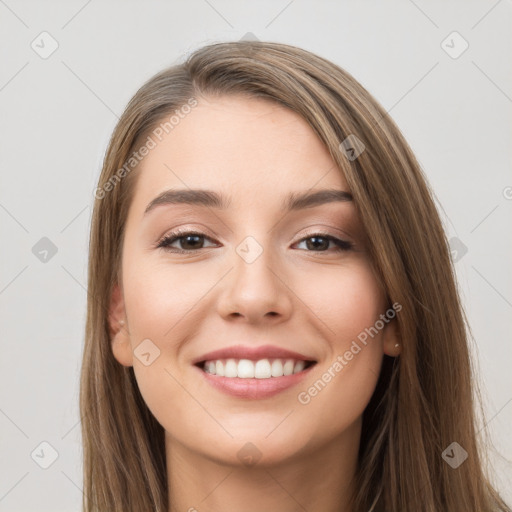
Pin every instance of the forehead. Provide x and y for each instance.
(247, 148)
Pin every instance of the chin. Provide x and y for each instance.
(253, 446)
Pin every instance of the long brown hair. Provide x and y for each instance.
(424, 400)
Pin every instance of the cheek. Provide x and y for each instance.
(159, 297)
(163, 305)
(159, 306)
(349, 305)
(347, 300)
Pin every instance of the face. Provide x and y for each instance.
(248, 323)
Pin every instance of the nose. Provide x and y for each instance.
(256, 291)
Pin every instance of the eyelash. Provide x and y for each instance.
(165, 242)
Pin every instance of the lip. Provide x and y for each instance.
(254, 389)
(252, 353)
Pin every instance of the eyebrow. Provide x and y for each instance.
(211, 199)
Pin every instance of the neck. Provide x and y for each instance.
(320, 480)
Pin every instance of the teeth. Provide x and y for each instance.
(299, 366)
(276, 369)
(247, 369)
(231, 368)
(262, 369)
(288, 367)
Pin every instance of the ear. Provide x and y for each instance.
(391, 341)
(119, 335)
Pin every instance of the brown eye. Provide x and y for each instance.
(189, 242)
(319, 242)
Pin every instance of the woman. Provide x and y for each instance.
(273, 321)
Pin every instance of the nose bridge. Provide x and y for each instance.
(253, 262)
(255, 288)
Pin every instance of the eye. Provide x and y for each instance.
(190, 241)
(320, 242)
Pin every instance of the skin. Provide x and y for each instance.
(309, 300)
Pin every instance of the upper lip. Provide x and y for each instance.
(254, 353)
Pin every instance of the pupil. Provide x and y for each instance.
(187, 238)
(315, 245)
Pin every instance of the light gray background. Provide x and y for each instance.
(58, 113)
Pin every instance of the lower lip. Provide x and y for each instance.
(254, 388)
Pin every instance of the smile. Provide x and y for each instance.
(253, 372)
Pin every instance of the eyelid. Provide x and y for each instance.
(309, 231)
(184, 230)
(180, 233)
(347, 242)
(335, 232)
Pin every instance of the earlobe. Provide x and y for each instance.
(392, 345)
(119, 335)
